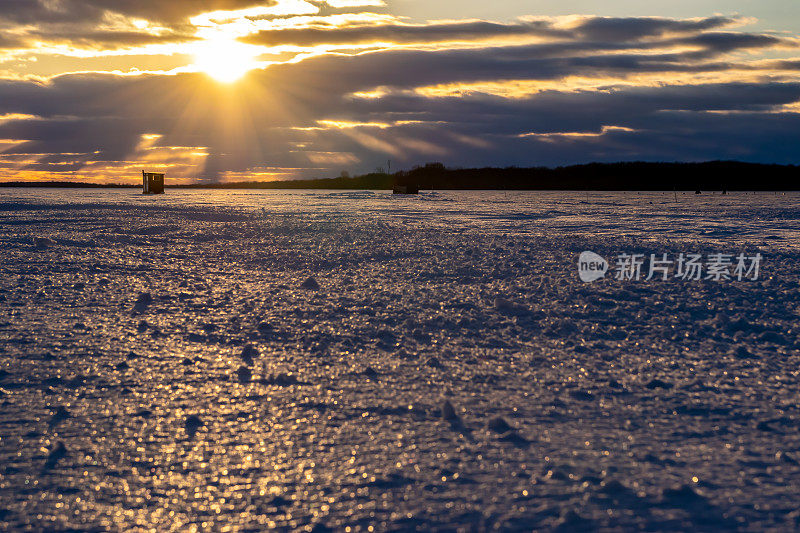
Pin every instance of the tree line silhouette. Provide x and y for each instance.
(627, 176)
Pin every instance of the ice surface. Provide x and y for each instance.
(164, 365)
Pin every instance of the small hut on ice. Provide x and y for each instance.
(152, 183)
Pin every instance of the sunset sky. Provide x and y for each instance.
(230, 90)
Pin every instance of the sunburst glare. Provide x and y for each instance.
(225, 59)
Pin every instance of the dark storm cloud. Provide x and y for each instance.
(629, 29)
(579, 111)
(106, 40)
(86, 11)
(725, 42)
(414, 68)
(567, 52)
(397, 33)
(172, 10)
(11, 42)
(598, 29)
(786, 65)
(75, 22)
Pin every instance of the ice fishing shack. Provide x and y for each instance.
(152, 183)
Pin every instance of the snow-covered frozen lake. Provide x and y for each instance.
(738, 217)
(323, 359)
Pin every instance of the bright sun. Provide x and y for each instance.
(226, 60)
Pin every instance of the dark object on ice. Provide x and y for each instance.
(773, 337)
(572, 521)
(43, 242)
(409, 183)
(785, 457)
(392, 480)
(508, 307)
(616, 489)
(743, 353)
(281, 380)
(310, 284)
(279, 501)
(59, 416)
(499, 425)
(433, 362)
(319, 527)
(449, 412)
(582, 395)
(58, 452)
(244, 375)
(683, 496)
(658, 384)
(250, 351)
(698, 191)
(405, 189)
(513, 437)
(192, 424)
(144, 300)
(152, 183)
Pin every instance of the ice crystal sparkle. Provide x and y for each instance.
(446, 361)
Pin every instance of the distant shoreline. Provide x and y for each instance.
(633, 176)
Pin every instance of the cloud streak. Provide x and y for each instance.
(87, 11)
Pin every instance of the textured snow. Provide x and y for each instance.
(318, 360)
